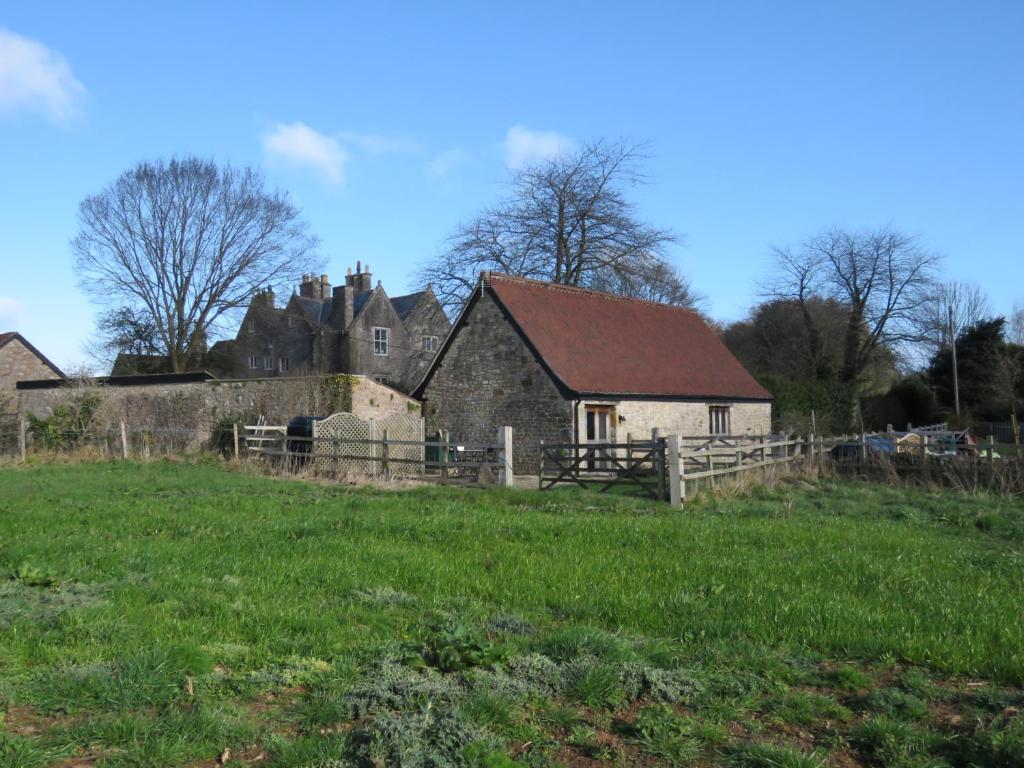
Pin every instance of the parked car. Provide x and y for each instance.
(874, 444)
(301, 426)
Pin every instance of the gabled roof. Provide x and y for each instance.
(317, 311)
(405, 304)
(10, 336)
(595, 343)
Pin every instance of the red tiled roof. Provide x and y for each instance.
(597, 343)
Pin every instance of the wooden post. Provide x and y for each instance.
(22, 438)
(675, 489)
(540, 468)
(505, 475)
(1016, 432)
(924, 448)
(234, 430)
(384, 453)
(443, 435)
(124, 441)
(863, 446)
(991, 450)
(810, 447)
(661, 468)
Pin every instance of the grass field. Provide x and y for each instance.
(184, 615)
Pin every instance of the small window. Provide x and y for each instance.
(428, 343)
(282, 364)
(268, 363)
(719, 419)
(380, 341)
(291, 321)
(254, 362)
(251, 326)
(385, 380)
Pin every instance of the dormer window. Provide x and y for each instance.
(428, 343)
(380, 341)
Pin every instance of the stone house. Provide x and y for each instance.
(20, 361)
(352, 328)
(564, 364)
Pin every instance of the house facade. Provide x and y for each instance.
(20, 361)
(351, 328)
(565, 364)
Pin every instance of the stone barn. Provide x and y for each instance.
(565, 364)
(19, 360)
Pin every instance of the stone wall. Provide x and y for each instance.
(639, 417)
(487, 379)
(18, 363)
(196, 407)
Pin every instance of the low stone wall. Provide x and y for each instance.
(192, 409)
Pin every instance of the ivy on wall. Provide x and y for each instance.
(335, 393)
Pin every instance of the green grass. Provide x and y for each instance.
(154, 614)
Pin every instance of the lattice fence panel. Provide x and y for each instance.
(402, 427)
(339, 429)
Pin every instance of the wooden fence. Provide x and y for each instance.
(640, 465)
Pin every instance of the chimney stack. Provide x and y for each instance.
(360, 281)
(325, 287)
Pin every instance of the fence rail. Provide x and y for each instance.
(637, 464)
(439, 459)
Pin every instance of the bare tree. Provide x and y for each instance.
(882, 277)
(185, 243)
(1015, 332)
(566, 220)
(123, 331)
(965, 302)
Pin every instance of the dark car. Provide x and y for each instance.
(301, 427)
(874, 444)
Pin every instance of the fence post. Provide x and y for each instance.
(661, 467)
(443, 435)
(384, 453)
(505, 475)
(234, 430)
(810, 447)
(540, 468)
(863, 447)
(124, 441)
(22, 438)
(991, 450)
(675, 487)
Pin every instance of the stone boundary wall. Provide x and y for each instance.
(196, 407)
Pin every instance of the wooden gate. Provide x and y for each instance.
(607, 465)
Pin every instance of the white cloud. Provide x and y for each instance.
(299, 145)
(444, 163)
(378, 144)
(525, 146)
(36, 79)
(10, 313)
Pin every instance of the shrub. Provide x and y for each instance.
(69, 425)
(453, 649)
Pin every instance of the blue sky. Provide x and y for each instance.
(391, 122)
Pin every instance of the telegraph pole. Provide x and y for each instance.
(956, 377)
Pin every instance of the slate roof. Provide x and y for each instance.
(599, 344)
(318, 311)
(405, 304)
